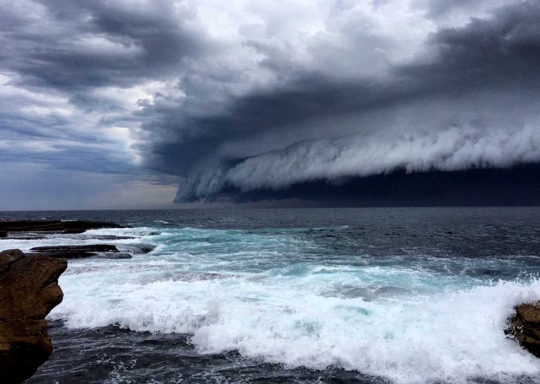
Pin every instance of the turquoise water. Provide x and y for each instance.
(397, 296)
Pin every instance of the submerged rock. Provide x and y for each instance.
(138, 249)
(29, 290)
(114, 255)
(525, 327)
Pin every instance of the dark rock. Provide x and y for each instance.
(52, 226)
(74, 231)
(110, 237)
(23, 236)
(525, 327)
(113, 255)
(146, 248)
(28, 292)
(139, 249)
(75, 251)
(68, 248)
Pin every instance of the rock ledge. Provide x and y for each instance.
(33, 228)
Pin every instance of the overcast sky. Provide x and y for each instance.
(131, 104)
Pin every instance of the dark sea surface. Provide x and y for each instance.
(363, 295)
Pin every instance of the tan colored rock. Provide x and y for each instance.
(525, 327)
(29, 290)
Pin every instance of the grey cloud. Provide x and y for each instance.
(65, 51)
(441, 9)
(138, 44)
(447, 149)
(444, 135)
(276, 103)
(503, 51)
(288, 113)
(471, 102)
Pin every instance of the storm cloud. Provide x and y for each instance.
(470, 100)
(253, 100)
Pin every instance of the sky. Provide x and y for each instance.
(109, 104)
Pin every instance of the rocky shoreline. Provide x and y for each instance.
(29, 290)
(525, 327)
(43, 229)
(35, 229)
(108, 251)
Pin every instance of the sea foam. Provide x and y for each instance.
(407, 325)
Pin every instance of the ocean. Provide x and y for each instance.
(363, 295)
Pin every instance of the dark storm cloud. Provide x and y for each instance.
(455, 92)
(62, 58)
(518, 186)
(254, 100)
(136, 43)
(307, 99)
(494, 53)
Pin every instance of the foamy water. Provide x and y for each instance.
(260, 295)
(301, 298)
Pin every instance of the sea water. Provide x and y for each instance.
(394, 295)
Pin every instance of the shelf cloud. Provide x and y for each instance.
(243, 101)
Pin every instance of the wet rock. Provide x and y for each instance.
(76, 251)
(114, 255)
(525, 327)
(51, 226)
(146, 248)
(108, 237)
(139, 249)
(29, 290)
(24, 236)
